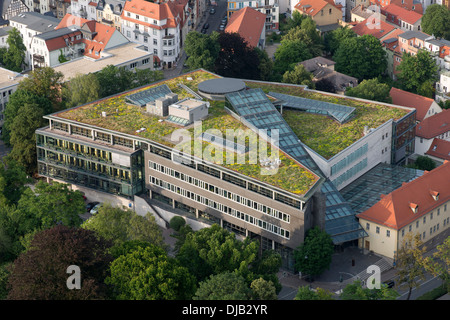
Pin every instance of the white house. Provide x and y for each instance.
(436, 126)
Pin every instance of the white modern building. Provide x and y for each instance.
(9, 80)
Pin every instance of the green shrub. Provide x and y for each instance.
(177, 222)
(434, 294)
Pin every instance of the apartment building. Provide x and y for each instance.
(323, 12)
(9, 81)
(250, 24)
(11, 8)
(421, 207)
(407, 20)
(435, 126)
(159, 27)
(85, 9)
(29, 25)
(271, 8)
(411, 5)
(109, 12)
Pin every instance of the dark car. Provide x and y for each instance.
(390, 284)
(203, 31)
(90, 205)
(206, 26)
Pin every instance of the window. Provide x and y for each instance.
(378, 230)
(388, 233)
(367, 226)
(155, 41)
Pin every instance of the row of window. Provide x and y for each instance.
(222, 208)
(221, 192)
(350, 172)
(358, 153)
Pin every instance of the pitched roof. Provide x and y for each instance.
(249, 23)
(407, 99)
(414, 34)
(440, 149)
(56, 39)
(170, 10)
(317, 62)
(403, 14)
(313, 7)
(378, 29)
(395, 210)
(435, 125)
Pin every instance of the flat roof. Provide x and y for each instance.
(119, 55)
(221, 86)
(9, 78)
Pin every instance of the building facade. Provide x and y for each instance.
(9, 81)
(270, 8)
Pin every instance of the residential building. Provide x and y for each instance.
(323, 68)
(9, 81)
(443, 86)
(270, 8)
(352, 4)
(361, 13)
(109, 12)
(393, 55)
(375, 27)
(11, 8)
(412, 41)
(324, 13)
(250, 24)
(412, 5)
(85, 9)
(439, 151)
(407, 20)
(425, 107)
(29, 25)
(436, 126)
(63, 7)
(420, 207)
(4, 33)
(160, 27)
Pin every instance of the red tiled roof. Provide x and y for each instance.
(312, 7)
(170, 10)
(59, 42)
(70, 20)
(378, 29)
(395, 209)
(407, 99)
(440, 149)
(403, 14)
(435, 125)
(249, 23)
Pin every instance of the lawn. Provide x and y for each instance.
(322, 134)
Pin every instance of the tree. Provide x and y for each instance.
(313, 256)
(118, 226)
(4, 275)
(423, 163)
(361, 57)
(61, 57)
(236, 59)
(439, 263)
(202, 50)
(265, 65)
(52, 204)
(16, 100)
(334, 38)
(82, 88)
(306, 293)
(436, 21)
(143, 77)
(426, 89)
(215, 250)
(410, 270)
(149, 274)
(289, 54)
(299, 76)
(114, 80)
(23, 136)
(223, 286)
(308, 34)
(12, 182)
(416, 70)
(41, 272)
(371, 90)
(47, 83)
(177, 222)
(295, 20)
(14, 57)
(355, 291)
(263, 290)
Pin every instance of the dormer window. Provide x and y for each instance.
(414, 207)
(435, 195)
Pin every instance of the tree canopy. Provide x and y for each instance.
(436, 21)
(361, 57)
(223, 286)
(415, 70)
(41, 272)
(334, 38)
(371, 89)
(299, 75)
(13, 57)
(202, 50)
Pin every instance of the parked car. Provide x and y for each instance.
(222, 27)
(94, 210)
(224, 20)
(203, 31)
(212, 11)
(206, 26)
(390, 284)
(90, 205)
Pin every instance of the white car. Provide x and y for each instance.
(94, 210)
